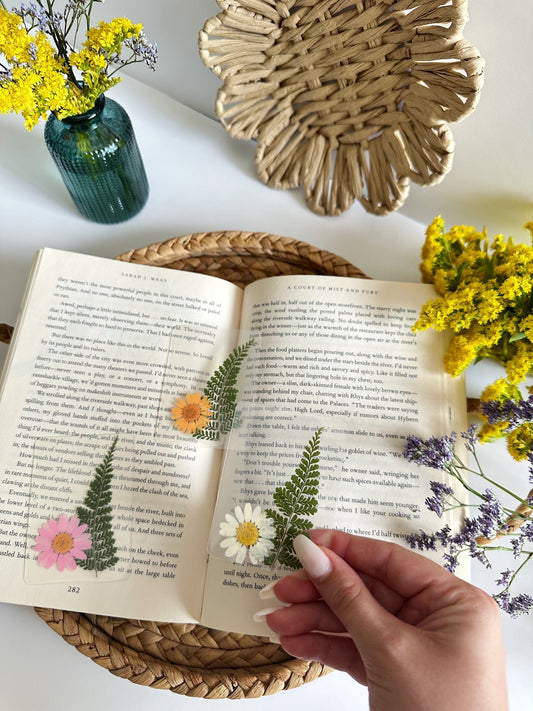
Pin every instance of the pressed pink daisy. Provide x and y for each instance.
(62, 542)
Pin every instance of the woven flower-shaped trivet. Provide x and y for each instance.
(350, 99)
(185, 658)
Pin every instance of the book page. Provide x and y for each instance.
(335, 356)
(101, 352)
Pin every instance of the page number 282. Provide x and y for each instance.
(73, 589)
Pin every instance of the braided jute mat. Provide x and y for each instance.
(190, 659)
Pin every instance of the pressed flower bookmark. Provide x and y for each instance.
(266, 537)
(211, 414)
(85, 540)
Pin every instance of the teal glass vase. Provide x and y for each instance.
(99, 160)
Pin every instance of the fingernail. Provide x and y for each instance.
(274, 638)
(259, 616)
(313, 558)
(267, 593)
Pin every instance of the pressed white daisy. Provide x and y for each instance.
(249, 531)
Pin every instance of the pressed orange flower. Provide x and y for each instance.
(191, 413)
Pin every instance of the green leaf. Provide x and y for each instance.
(96, 513)
(517, 337)
(222, 394)
(294, 501)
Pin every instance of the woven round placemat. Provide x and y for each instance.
(350, 100)
(186, 658)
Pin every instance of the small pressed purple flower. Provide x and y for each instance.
(492, 410)
(32, 50)
(478, 553)
(505, 578)
(492, 515)
(443, 536)
(526, 532)
(519, 605)
(450, 561)
(421, 541)
(530, 460)
(143, 50)
(522, 411)
(470, 437)
(515, 412)
(435, 452)
(437, 502)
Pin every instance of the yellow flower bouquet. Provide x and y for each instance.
(42, 72)
(485, 296)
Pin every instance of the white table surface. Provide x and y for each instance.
(200, 180)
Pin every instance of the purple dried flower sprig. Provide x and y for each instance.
(514, 412)
(435, 452)
(495, 527)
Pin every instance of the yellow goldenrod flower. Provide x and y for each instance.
(485, 296)
(519, 364)
(526, 327)
(490, 433)
(36, 84)
(520, 441)
(460, 353)
(500, 390)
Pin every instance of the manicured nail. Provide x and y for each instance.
(267, 593)
(260, 616)
(314, 560)
(274, 638)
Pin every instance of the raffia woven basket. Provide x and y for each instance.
(186, 658)
(351, 100)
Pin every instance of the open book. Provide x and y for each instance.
(120, 489)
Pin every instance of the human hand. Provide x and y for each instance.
(416, 635)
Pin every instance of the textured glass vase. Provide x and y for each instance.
(99, 161)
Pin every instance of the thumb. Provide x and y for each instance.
(346, 595)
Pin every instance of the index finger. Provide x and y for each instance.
(403, 571)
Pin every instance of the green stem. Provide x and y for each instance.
(456, 474)
(281, 542)
(59, 41)
(480, 473)
(460, 505)
(127, 63)
(88, 12)
(529, 555)
(509, 550)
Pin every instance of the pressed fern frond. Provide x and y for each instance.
(96, 513)
(295, 500)
(222, 394)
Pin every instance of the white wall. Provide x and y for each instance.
(174, 25)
